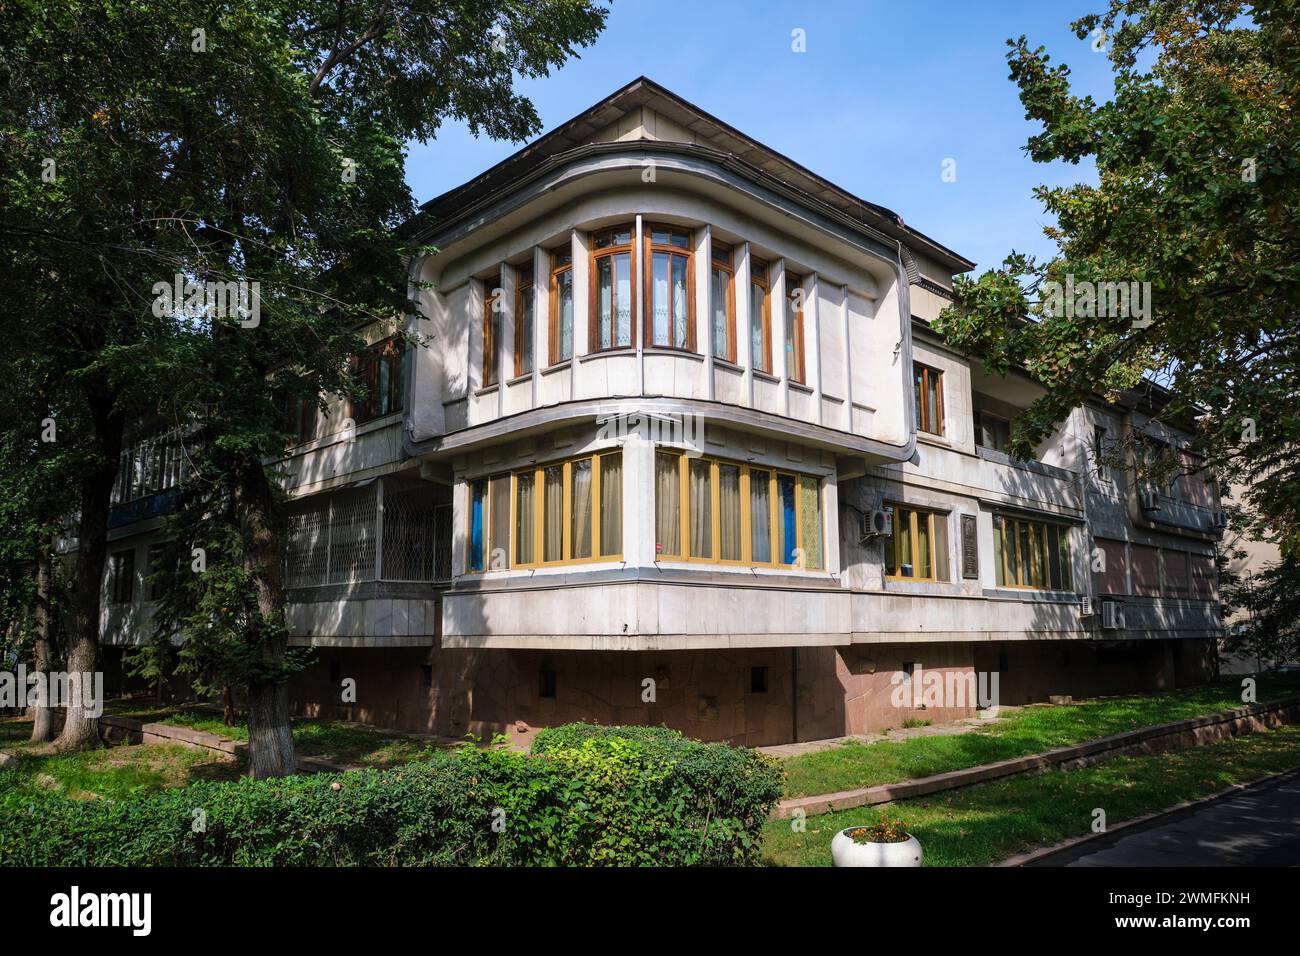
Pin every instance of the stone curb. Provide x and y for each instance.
(1032, 856)
(136, 731)
(1089, 751)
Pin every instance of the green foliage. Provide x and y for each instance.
(1197, 191)
(568, 736)
(1271, 602)
(602, 800)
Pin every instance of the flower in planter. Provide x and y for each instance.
(884, 830)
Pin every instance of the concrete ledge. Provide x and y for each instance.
(126, 730)
(1177, 735)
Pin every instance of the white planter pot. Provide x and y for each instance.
(845, 852)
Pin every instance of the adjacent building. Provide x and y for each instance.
(673, 441)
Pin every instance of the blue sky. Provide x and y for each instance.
(885, 92)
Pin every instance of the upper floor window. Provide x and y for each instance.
(1031, 554)
(928, 392)
(669, 288)
(731, 513)
(121, 577)
(524, 321)
(491, 337)
(722, 325)
(760, 318)
(794, 334)
(379, 369)
(992, 431)
(563, 512)
(299, 417)
(612, 320)
(1098, 451)
(561, 311)
(917, 550)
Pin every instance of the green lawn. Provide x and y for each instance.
(982, 824)
(1032, 730)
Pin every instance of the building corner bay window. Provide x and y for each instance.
(1031, 554)
(918, 548)
(611, 290)
(563, 512)
(928, 392)
(560, 316)
(669, 288)
(731, 513)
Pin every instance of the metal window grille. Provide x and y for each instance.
(343, 537)
(150, 465)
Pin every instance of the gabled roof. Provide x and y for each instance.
(709, 131)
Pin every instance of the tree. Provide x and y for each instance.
(262, 143)
(1198, 194)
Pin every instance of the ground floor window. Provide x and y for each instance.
(917, 550)
(550, 514)
(731, 513)
(1031, 554)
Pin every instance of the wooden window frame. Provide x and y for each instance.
(558, 268)
(524, 285)
(746, 513)
(593, 281)
(728, 267)
(981, 413)
(539, 511)
(366, 367)
(927, 374)
(765, 320)
(913, 524)
(490, 332)
(796, 360)
(1037, 569)
(117, 580)
(648, 250)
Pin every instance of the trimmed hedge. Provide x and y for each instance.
(585, 799)
(573, 735)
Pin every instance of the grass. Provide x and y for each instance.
(1032, 730)
(980, 825)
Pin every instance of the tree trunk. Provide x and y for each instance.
(270, 737)
(80, 730)
(228, 706)
(43, 713)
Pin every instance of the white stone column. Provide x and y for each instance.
(541, 317)
(638, 501)
(704, 305)
(578, 244)
(812, 331)
(779, 364)
(744, 322)
(506, 345)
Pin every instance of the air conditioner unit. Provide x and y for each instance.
(1149, 499)
(877, 524)
(1219, 520)
(1112, 615)
(1085, 606)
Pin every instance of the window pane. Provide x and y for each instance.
(701, 509)
(721, 332)
(681, 313)
(499, 523)
(997, 551)
(757, 353)
(810, 521)
(668, 505)
(605, 292)
(553, 513)
(525, 512)
(918, 385)
(760, 516)
(478, 492)
(659, 298)
(1053, 557)
(623, 289)
(932, 403)
(940, 525)
(903, 529)
(524, 332)
(729, 512)
(924, 552)
(580, 509)
(1025, 572)
(611, 504)
(1063, 556)
(891, 546)
(786, 517)
(565, 305)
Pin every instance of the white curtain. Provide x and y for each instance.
(611, 504)
(668, 506)
(581, 509)
(553, 514)
(701, 510)
(760, 516)
(729, 512)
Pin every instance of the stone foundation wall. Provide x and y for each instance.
(811, 693)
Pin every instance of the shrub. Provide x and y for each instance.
(573, 735)
(586, 799)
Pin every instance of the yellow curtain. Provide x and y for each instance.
(760, 516)
(553, 514)
(581, 509)
(810, 513)
(611, 504)
(668, 506)
(729, 512)
(525, 503)
(701, 510)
